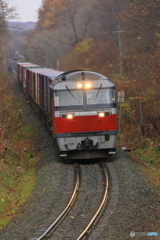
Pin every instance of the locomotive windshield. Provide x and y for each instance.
(100, 96)
(68, 98)
(84, 99)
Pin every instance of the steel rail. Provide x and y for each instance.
(102, 205)
(56, 223)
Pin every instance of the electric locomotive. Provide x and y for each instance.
(83, 114)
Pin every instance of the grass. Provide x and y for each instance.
(150, 155)
(17, 172)
(17, 162)
(25, 131)
(16, 183)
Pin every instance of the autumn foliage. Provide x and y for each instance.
(47, 14)
(9, 115)
(93, 54)
(96, 35)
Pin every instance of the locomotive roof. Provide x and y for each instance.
(64, 74)
(70, 78)
(78, 75)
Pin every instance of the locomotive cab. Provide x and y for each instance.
(84, 119)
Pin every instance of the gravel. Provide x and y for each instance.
(88, 199)
(137, 208)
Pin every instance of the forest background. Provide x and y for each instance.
(120, 39)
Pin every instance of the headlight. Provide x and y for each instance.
(79, 85)
(69, 116)
(101, 114)
(87, 85)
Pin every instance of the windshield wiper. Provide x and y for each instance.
(71, 93)
(98, 90)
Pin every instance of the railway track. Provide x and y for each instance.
(52, 231)
(101, 207)
(59, 219)
(75, 212)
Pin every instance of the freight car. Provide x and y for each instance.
(79, 107)
(21, 71)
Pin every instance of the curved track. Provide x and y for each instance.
(102, 205)
(62, 215)
(92, 216)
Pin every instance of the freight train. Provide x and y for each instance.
(79, 108)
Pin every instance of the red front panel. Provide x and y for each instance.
(85, 124)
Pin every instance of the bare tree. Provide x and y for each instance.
(6, 13)
(77, 19)
(43, 48)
